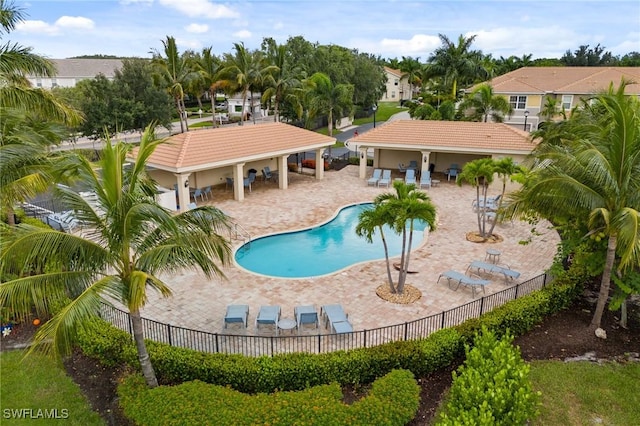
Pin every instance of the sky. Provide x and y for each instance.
(385, 28)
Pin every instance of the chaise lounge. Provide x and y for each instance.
(236, 314)
(456, 278)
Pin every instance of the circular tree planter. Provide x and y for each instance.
(475, 237)
(410, 294)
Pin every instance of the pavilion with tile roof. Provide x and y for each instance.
(201, 158)
(440, 143)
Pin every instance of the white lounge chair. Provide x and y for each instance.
(456, 278)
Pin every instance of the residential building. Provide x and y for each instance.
(397, 87)
(71, 71)
(528, 89)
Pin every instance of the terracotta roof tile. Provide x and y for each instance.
(222, 146)
(567, 80)
(451, 136)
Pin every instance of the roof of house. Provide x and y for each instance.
(565, 80)
(448, 136)
(395, 72)
(87, 68)
(224, 146)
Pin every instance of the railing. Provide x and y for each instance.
(256, 345)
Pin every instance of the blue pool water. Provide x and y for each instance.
(320, 250)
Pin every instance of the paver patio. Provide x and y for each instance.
(200, 303)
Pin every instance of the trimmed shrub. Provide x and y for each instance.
(393, 400)
(492, 387)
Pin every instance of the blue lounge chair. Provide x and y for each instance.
(410, 178)
(306, 314)
(375, 177)
(456, 278)
(236, 314)
(425, 179)
(453, 171)
(268, 315)
(333, 314)
(385, 179)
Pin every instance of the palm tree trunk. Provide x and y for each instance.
(184, 109)
(605, 282)
(244, 102)
(213, 108)
(11, 218)
(403, 273)
(386, 256)
(143, 355)
(180, 114)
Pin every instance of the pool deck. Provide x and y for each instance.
(200, 303)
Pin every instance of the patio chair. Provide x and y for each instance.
(457, 278)
(413, 165)
(198, 193)
(268, 315)
(333, 314)
(375, 177)
(236, 314)
(491, 204)
(306, 314)
(452, 172)
(207, 191)
(229, 183)
(410, 177)
(191, 206)
(266, 174)
(385, 179)
(341, 327)
(402, 168)
(249, 180)
(425, 179)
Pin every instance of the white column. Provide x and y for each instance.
(283, 181)
(182, 180)
(362, 154)
(425, 161)
(320, 163)
(238, 181)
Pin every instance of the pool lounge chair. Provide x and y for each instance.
(410, 177)
(425, 180)
(236, 314)
(508, 273)
(268, 315)
(457, 278)
(385, 179)
(306, 314)
(333, 314)
(375, 177)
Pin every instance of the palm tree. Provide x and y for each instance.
(208, 66)
(411, 69)
(239, 71)
(370, 221)
(484, 104)
(479, 173)
(133, 243)
(504, 168)
(281, 82)
(456, 64)
(327, 98)
(399, 211)
(25, 139)
(593, 176)
(174, 71)
(15, 63)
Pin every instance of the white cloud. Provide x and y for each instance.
(419, 44)
(278, 26)
(126, 2)
(242, 34)
(197, 28)
(36, 27)
(200, 9)
(75, 22)
(554, 41)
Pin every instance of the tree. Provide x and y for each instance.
(174, 72)
(455, 64)
(504, 168)
(15, 63)
(399, 211)
(281, 81)
(327, 98)
(411, 69)
(133, 242)
(208, 66)
(371, 221)
(585, 56)
(239, 73)
(483, 104)
(593, 176)
(479, 173)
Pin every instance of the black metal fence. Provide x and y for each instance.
(257, 345)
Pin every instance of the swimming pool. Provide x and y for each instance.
(320, 250)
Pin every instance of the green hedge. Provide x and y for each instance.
(392, 400)
(300, 370)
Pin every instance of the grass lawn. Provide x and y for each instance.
(582, 393)
(385, 110)
(39, 389)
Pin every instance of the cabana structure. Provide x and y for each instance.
(436, 145)
(202, 158)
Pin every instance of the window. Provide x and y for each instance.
(566, 101)
(395, 83)
(518, 102)
(54, 82)
(238, 108)
(38, 82)
(393, 94)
